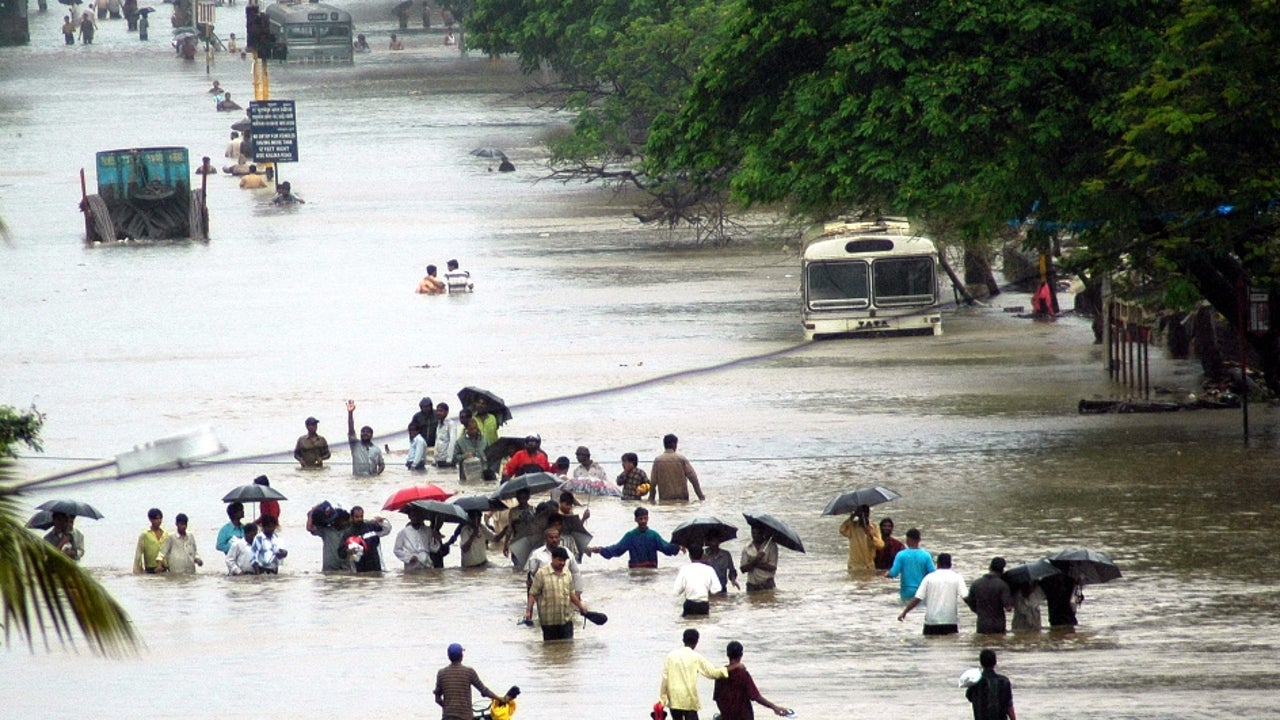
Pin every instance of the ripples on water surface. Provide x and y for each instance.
(287, 314)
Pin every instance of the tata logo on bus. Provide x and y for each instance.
(873, 324)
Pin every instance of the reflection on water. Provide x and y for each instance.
(287, 314)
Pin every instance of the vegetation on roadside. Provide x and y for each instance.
(1146, 130)
(42, 591)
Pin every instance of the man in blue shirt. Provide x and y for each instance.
(234, 528)
(640, 543)
(911, 564)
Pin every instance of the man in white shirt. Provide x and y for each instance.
(941, 591)
(696, 582)
(413, 543)
(447, 432)
(239, 552)
(457, 280)
(587, 468)
(417, 458)
(542, 557)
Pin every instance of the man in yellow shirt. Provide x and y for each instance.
(864, 539)
(680, 673)
(144, 558)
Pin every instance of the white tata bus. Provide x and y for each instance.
(869, 277)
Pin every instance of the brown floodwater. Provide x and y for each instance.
(289, 313)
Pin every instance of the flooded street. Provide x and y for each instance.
(287, 313)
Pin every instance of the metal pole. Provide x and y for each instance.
(1242, 299)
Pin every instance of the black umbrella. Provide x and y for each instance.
(1086, 567)
(1027, 573)
(478, 503)
(253, 493)
(693, 533)
(446, 512)
(533, 482)
(504, 447)
(850, 501)
(498, 406)
(489, 152)
(70, 507)
(42, 520)
(242, 126)
(776, 529)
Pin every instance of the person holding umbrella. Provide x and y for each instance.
(760, 560)
(864, 539)
(721, 561)
(268, 506)
(413, 543)
(65, 537)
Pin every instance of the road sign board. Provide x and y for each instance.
(274, 132)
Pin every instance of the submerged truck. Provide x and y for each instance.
(144, 194)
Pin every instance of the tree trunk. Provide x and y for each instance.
(1220, 280)
(977, 271)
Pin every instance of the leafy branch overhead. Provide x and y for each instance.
(43, 592)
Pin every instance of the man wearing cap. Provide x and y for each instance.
(588, 469)
(672, 474)
(312, 449)
(453, 687)
(366, 458)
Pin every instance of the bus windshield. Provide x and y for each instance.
(838, 285)
(904, 281)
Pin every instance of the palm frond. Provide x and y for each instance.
(45, 594)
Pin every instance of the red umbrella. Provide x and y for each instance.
(404, 496)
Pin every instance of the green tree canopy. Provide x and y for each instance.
(617, 65)
(1130, 122)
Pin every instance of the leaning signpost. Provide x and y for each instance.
(274, 130)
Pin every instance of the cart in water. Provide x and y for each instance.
(144, 195)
